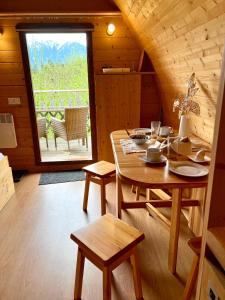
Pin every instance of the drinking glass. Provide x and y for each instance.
(155, 126)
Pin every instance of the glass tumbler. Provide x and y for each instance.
(155, 126)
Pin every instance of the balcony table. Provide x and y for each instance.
(132, 170)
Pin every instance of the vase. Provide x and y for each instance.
(184, 128)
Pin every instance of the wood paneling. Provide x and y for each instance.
(182, 37)
(121, 50)
(117, 107)
(57, 6)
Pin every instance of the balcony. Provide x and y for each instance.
(51, 104)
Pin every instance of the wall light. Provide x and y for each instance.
(1, 31)
(110, 29)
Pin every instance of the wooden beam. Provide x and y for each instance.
(63, 14)
(159, 203)
(156, 213)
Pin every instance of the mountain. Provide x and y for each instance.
(41, 53)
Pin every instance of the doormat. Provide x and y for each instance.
(60, 177)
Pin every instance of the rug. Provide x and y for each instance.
(60, 177)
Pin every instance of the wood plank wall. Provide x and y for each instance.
(121, 50)
(182, 37)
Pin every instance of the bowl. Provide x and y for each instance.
(138, 139)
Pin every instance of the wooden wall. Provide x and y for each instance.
(182, 37)
(68, 6)
(121, 50)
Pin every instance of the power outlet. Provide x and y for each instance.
(14, 101)
(212, 295)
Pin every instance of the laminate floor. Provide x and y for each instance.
(37, 257)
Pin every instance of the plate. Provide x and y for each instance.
(163, 159)
(144, 130)
(193, 158)
(187, 168)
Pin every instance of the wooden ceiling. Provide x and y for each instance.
(58, 6)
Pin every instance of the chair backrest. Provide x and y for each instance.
(41, 126)
(76, 122)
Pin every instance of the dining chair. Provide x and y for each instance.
(42, 129)
(73, 127)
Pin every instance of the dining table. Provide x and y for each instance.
(131, 169)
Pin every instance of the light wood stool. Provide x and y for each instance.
(102, 173)
(195, 245)
(107, 243)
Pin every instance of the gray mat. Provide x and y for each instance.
(60, 177)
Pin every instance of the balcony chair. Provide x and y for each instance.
(42, 129)
(73, 127)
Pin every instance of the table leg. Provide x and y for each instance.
(119, 196)
(174, 229)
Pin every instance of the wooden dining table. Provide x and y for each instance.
(132, 170)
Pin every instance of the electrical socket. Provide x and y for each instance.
(14, 101)
(212, 295)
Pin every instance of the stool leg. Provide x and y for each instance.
(133, 188)
(107, 274)
(191, 279)
(138, 190)
(103, 200)
(148, 194)
(86, 191)
(136, 275)
(79, 275)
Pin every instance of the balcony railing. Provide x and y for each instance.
(51, 103)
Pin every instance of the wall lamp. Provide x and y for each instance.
(110, 29)
(1, 31)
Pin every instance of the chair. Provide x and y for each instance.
(73, 127)
(107, 243)
(101, 173)
(42, 129)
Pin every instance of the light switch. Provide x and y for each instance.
(14, 101)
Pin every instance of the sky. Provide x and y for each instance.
(59, 38)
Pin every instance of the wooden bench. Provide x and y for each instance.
(101, 173)
(107, 243)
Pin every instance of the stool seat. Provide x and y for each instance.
(107, 242)
(101, 173)
(101, 169)
(107, 238)
(195, 244)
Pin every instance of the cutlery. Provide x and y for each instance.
(128, 133)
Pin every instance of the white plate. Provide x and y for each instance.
(187, 168)
(193, 158)
(144, 130)
(163, 159)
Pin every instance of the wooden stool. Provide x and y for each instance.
(107, 242)
(101, 173)
(195, 245)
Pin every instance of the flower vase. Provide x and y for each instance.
(184, 128)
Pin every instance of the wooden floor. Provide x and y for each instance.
(37, 257)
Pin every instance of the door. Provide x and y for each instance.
(58, 70)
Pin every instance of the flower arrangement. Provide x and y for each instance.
(184, 103)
